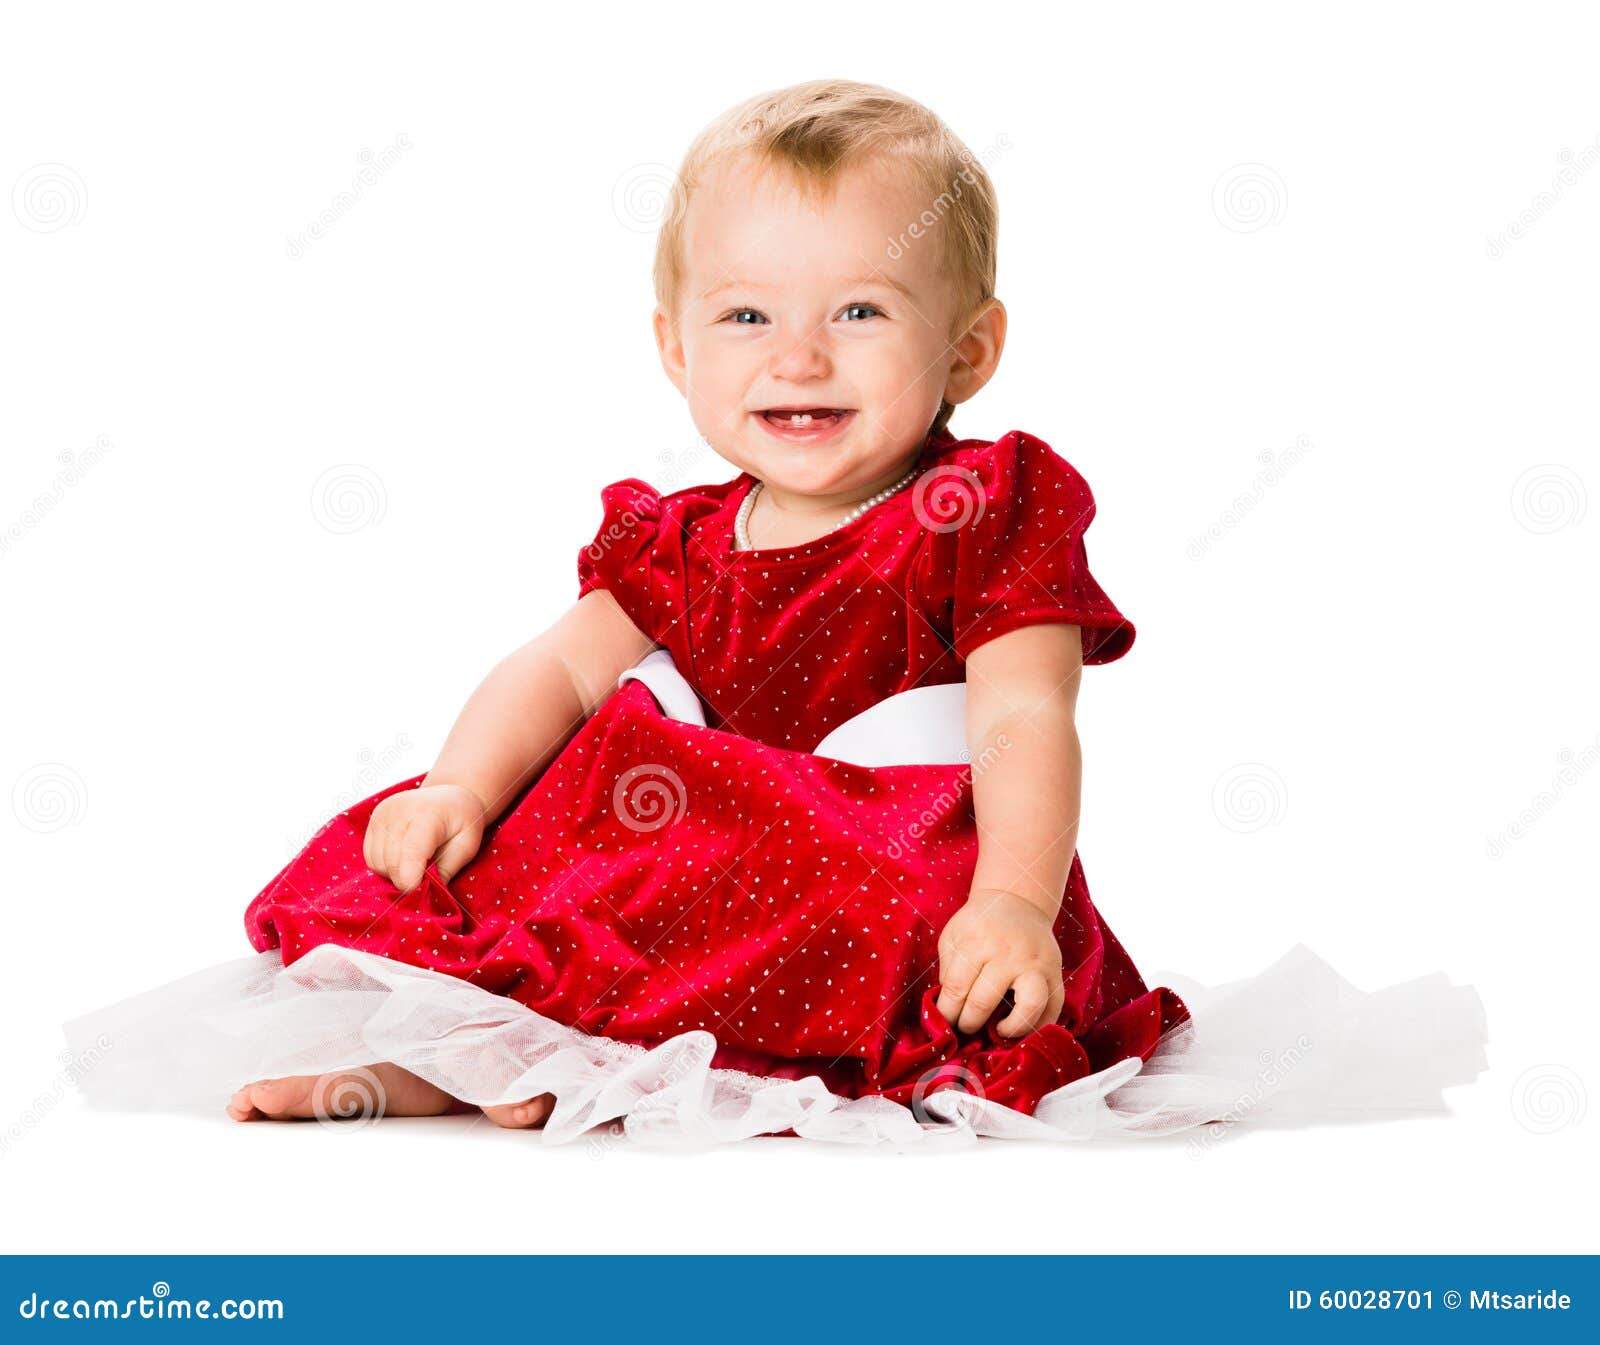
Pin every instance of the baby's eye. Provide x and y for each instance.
(856, 312)
(748, 316)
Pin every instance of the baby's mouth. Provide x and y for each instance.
(810, 424)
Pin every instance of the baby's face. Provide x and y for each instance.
(811, 357)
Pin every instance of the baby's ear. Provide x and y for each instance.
(975, 354)
(670, 347)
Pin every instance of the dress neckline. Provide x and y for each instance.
(834, 538)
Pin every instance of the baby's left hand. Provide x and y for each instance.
(999, 941)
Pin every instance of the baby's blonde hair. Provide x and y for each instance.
(816, 131)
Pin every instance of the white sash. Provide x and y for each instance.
(926, 726)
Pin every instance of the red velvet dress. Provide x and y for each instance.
(662, 876)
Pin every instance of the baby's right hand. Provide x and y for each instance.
(407, 830)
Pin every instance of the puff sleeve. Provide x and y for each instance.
(620, 559)
(1006, 549)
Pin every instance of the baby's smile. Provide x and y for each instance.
(806, 424)
(813, 356)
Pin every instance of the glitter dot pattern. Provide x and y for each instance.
(663, 877)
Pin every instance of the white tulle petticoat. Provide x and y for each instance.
(1293, 1045)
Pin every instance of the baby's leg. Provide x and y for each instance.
(383, 1090)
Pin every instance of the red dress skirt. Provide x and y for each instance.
(661, 877)
(664, 876)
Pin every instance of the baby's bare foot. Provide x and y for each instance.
(522, 1115)
(359, 1095)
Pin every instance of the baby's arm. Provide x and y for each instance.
(1027, 773)
(511, 727)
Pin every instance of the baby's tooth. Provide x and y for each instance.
(798, 419)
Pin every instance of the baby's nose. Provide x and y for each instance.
(805, 359)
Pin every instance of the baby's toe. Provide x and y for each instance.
(272, 1100)
(521, 1115)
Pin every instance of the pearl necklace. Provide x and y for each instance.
(741, 520)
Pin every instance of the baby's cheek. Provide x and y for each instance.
(715, 414)
(907, 394)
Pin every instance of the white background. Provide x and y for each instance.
(1393, 652)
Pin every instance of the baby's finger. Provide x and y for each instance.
(986, 993)
(372, 844)
(458, 850)
(389, 854)
(1058, 998)
(416, 848)
(1032, 1005)
(957, 972)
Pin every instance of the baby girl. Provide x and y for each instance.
(634, 873)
